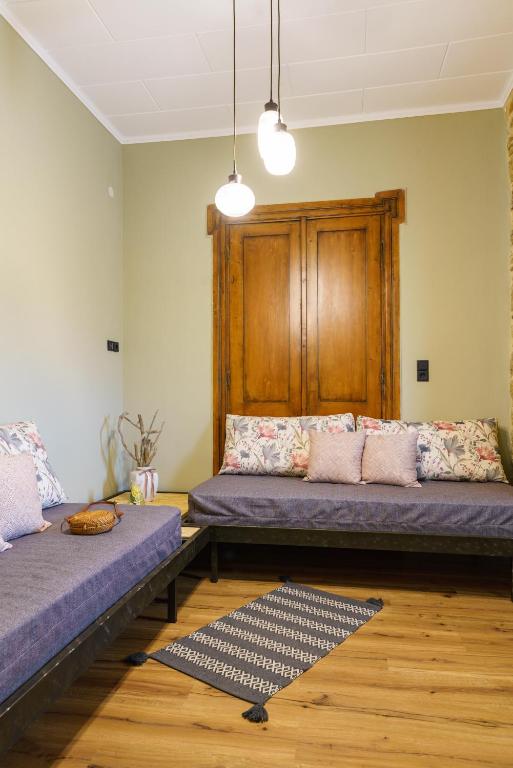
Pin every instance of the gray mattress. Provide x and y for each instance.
(438, 507)
(53, 585)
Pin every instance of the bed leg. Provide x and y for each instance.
(511, 594)
(214, 562)
(171, 602)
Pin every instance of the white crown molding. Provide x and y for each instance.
(507, 90)
(57, 70)
(324, 121)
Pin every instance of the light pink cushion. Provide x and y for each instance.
(335, 458)
(20, 503)
(390, 459)
(24, 437)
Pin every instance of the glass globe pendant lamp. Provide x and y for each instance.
(234, 199)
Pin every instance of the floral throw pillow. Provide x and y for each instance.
(23, 437)
(261, 445)
(449, 450)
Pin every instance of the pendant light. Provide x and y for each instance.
(235, 198)
(269, 117)
(280, 147)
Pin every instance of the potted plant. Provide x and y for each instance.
(144, 475)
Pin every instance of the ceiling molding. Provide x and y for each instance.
(324, 121)
(507, 90)
(57, 70)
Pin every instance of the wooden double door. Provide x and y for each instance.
(306, 310)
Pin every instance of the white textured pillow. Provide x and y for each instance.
(4, 545)
(20, 504)
(390, 459)
(335, 458)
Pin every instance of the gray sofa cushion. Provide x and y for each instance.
(53, 585)
(438, 507)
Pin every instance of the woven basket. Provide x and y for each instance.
(89, 522)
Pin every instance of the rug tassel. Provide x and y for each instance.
(376, 601)
(137, 659)
(256, 714)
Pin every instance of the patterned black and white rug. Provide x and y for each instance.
(257, 650)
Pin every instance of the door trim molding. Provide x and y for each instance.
(390, 205)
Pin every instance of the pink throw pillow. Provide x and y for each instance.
(391, 459)
(20, 503)
(335, 458)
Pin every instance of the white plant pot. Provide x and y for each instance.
(148, 481)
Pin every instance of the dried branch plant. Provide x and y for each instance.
(146, 447)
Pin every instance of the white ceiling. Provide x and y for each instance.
(160, 69)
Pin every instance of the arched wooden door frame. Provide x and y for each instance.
(390, 206)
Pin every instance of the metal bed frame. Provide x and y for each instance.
(49, 682)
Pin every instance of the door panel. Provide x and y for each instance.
(306, 310)
(344, 316)
(264, 351)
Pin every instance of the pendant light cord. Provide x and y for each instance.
(279, 63)
(234, 96)
(272, 45)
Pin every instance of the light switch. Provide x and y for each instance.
(422, 370)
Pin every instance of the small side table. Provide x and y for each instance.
(193, 541)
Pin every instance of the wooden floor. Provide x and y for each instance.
(427, 683)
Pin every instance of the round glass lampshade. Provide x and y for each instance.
(280, 152)
(266, 124)
(234, 199)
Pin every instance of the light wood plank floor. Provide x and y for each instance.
(428, 683)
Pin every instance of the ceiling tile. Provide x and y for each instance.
(60, 22)
(297, 9)
(140, 18)
(120, 98)
(486, 54)
(213, 88)
(134, 60)
(325, 37)
(186, 122)
(248, 114)
(454, 91)
(302, 40)
(366, 70)
(252, 48)
(163, 67)
(304, 109)
(321, 106)
(436, 21)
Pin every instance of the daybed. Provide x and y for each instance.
(441, 516)
(65, 598)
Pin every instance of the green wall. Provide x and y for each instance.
(60, 270)
(455, 305)
(61, 267)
